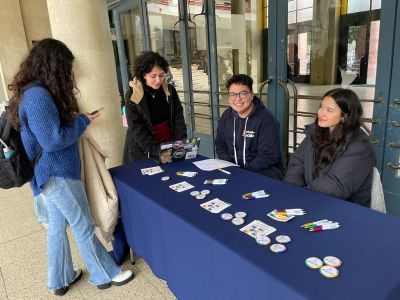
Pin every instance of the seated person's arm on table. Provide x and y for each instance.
(140, 132)
(347, 173)
(268, 147)
(295, 173)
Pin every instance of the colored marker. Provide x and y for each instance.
(325, 227)
(314, 223)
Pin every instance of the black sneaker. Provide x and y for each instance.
(62, 291)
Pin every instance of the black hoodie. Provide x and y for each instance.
(257, 144)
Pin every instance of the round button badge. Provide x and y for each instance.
(277, 248)
(200, 197)
(314, 262)
(237, 221)
(329, 272)
(165, 178)
(332, 261)
(226, 216)
(283, 239)
(263, 240)
(205, 192)
(194, 193)
(240, 214)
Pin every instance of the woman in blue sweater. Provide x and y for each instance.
(47, 116)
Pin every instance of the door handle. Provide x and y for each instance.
(395, 124)
(396, 101)
(393, 166)
(394, 145)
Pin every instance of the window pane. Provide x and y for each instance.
(357, 6)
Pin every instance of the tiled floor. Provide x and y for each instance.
(23, 259)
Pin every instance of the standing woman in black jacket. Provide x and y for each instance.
(153, 109)
(336, 156)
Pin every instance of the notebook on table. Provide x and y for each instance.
(179, 150)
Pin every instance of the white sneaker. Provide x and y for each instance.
(123, 277)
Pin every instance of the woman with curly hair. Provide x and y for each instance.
(336, 156)
(45, 110)
(153, 109)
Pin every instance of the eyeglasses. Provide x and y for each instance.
(242, 95)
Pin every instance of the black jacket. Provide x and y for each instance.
(259, 133)
(140, 142)
(349, 174)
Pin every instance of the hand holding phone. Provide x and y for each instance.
(97, 111)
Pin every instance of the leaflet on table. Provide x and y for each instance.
(278, 217)
(213, 164)
(152, 170)
(257, 228)
(181, 186)
(215, 206)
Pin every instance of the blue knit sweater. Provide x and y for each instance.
(40, 127)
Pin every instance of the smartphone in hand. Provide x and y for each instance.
(97, 111)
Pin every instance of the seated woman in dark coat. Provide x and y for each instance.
(336, 156)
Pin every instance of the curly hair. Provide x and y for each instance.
(145, 62)
(50, 62)
(240, 79)
(327, 143)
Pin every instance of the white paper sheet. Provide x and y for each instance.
(213, 164)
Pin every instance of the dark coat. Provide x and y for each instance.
(140, 142)
(349, 174)
(261, 138)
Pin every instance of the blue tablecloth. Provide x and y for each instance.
(202, 256)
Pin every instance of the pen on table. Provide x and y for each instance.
(314, 223)
(224, 171)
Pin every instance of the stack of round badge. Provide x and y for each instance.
(314, 263)
(226, 216)
(237, 221)
(283, 239)
(329, 272)
(165, 178)
(277, 248)
(263, 240)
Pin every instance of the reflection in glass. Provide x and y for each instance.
(333, 46)
(240, 42)
(132, 35)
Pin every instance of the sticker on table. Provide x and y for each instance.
(215, 206)
(274, 215)
(181, 186)
(257, 228)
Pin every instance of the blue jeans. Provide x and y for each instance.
(41, 209)
(67, 204)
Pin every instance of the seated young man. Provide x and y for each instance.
(248, 134)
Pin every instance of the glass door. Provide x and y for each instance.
(328, 46)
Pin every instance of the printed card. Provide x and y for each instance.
(215, 206)
(181, 186)
(257, 228)
(152, 170)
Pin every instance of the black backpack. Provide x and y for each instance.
(16, 170)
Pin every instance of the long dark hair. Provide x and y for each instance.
(327, 143)
(50, 62)
(146, 62)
